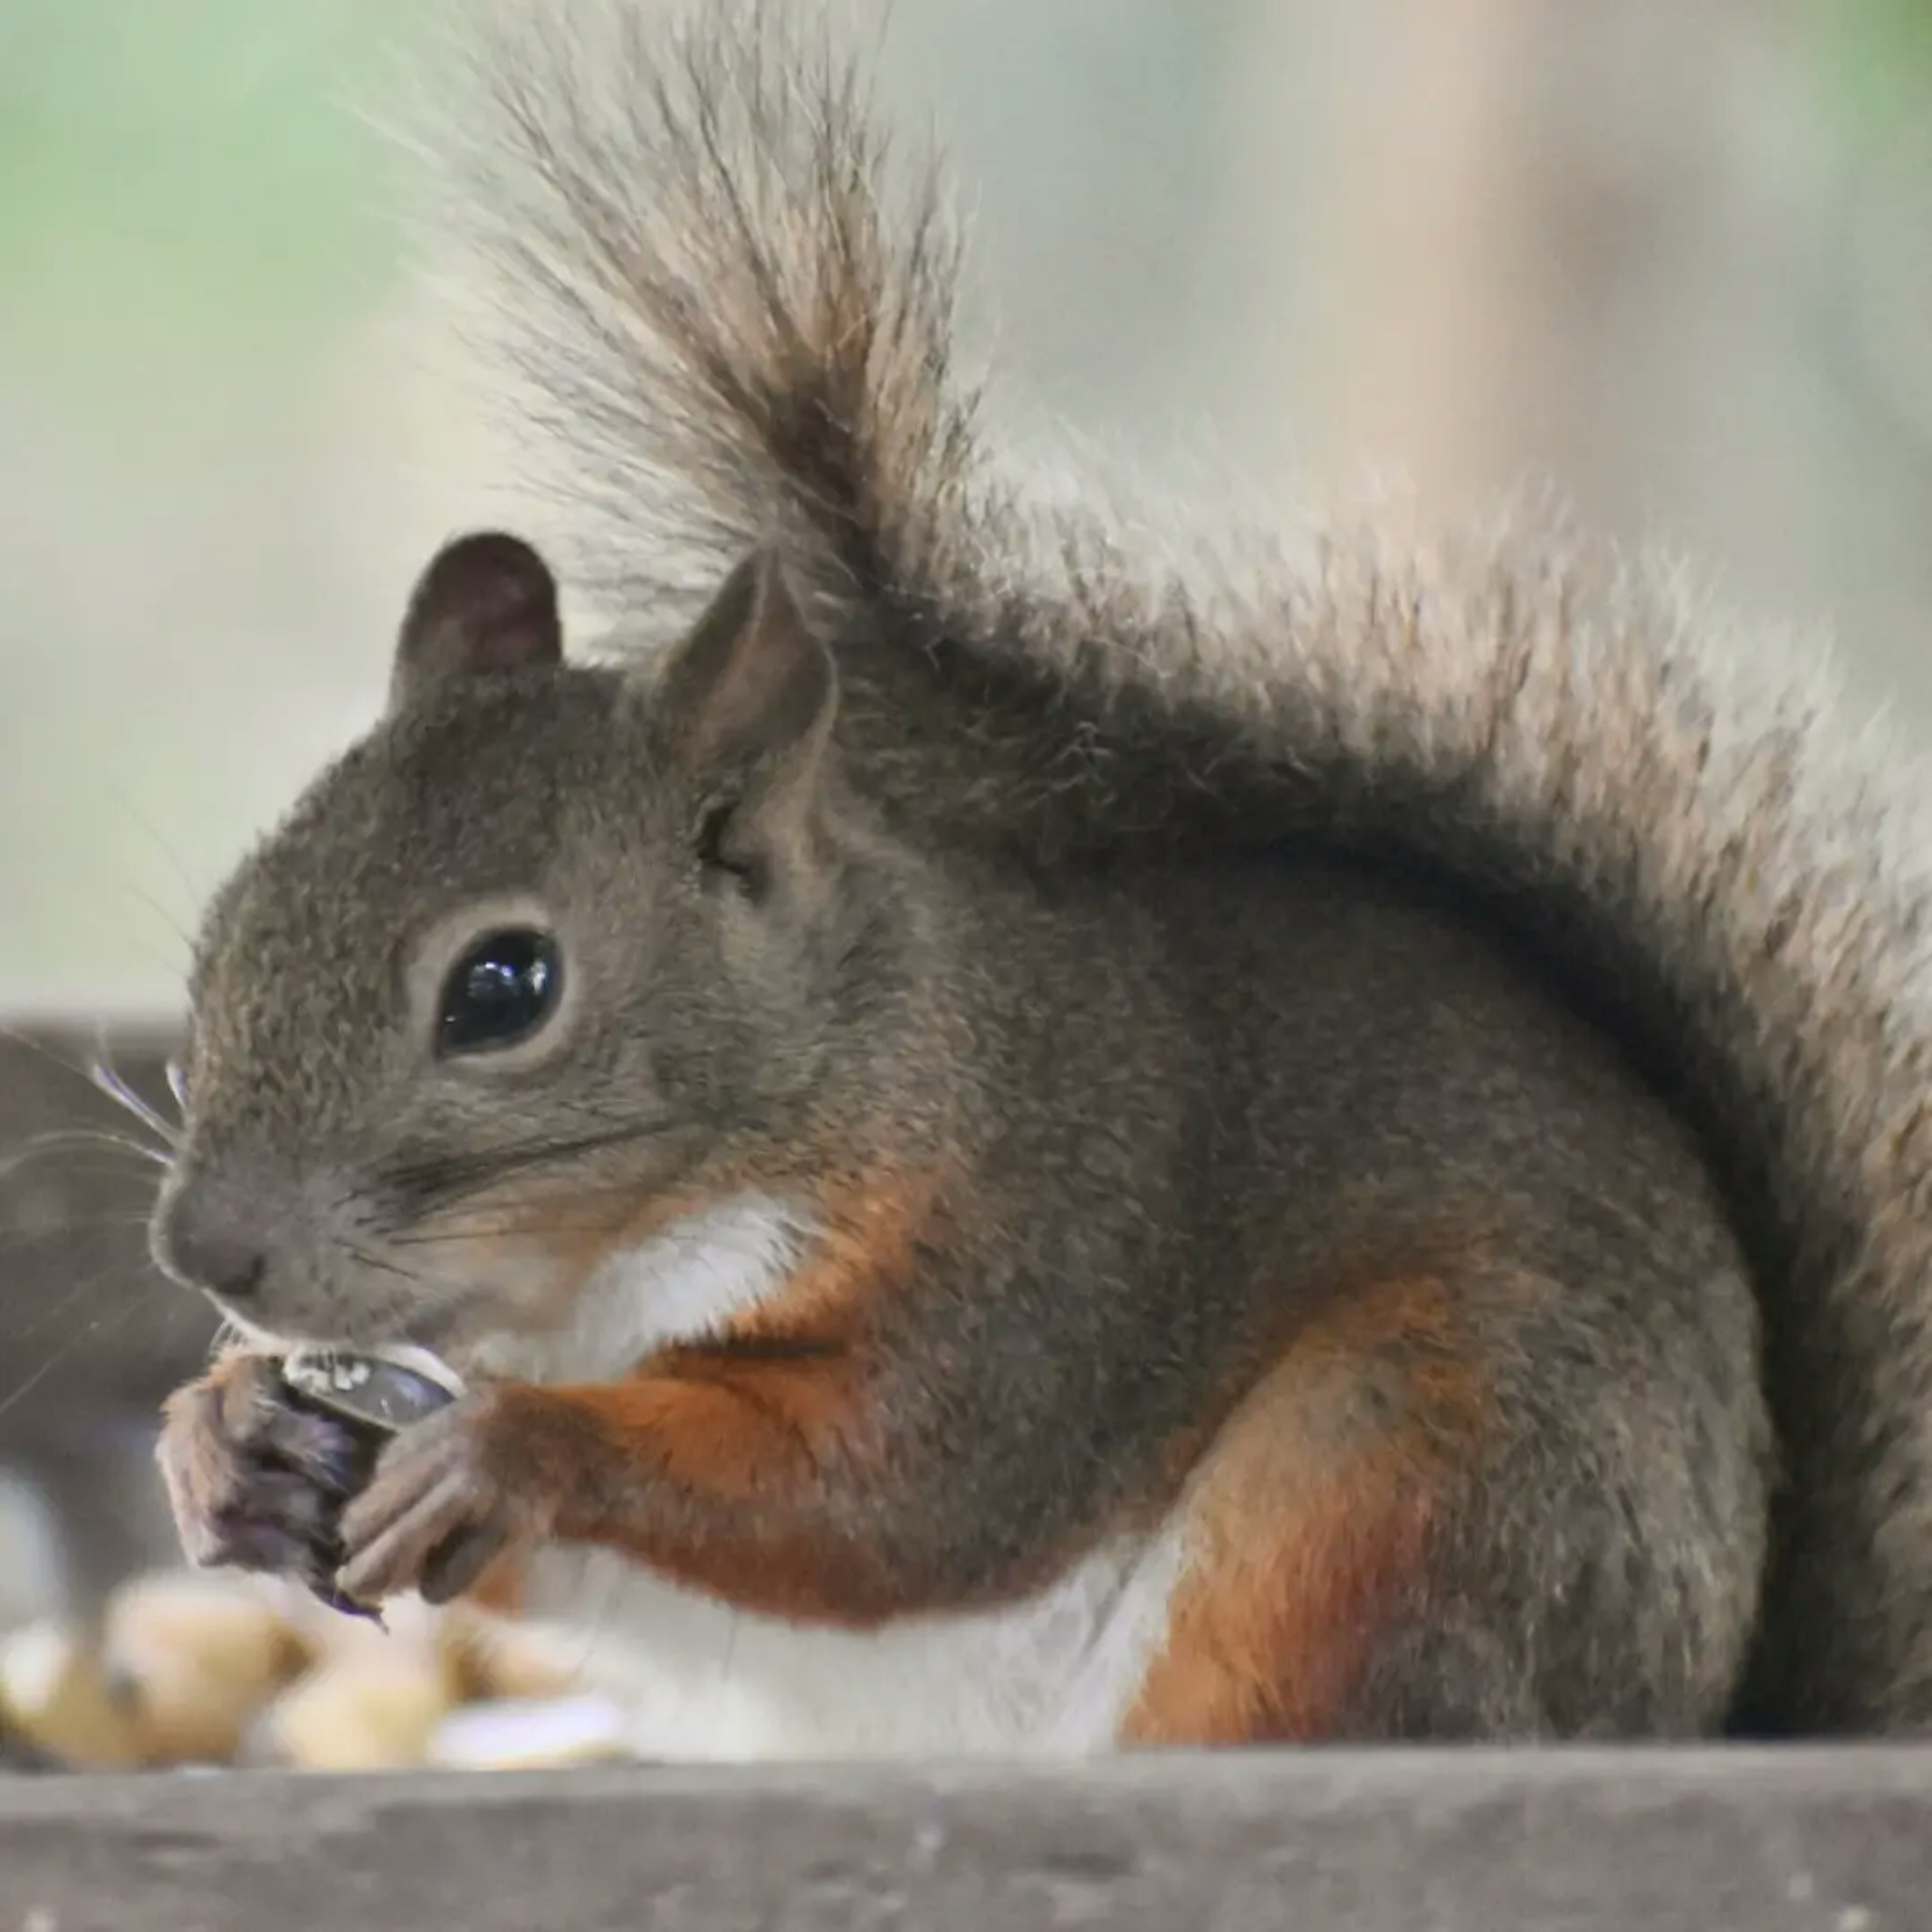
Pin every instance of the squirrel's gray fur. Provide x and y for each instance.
(731, 319)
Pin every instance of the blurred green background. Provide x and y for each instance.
(1674, 255)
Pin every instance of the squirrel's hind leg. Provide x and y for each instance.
(1477, 1502)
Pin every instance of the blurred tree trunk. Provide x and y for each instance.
(1493, 187)
(1588, 242)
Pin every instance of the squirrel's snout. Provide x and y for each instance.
(205, 1235)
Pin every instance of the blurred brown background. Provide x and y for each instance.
(1673, 256)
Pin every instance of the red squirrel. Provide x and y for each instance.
(1029, 1140)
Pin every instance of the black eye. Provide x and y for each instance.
(500, 992)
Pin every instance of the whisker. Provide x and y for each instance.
(460, 1237)
(174, 926)
(92, 1171)
(90, 1332)
(368, 1258)
(18, 1240)
(177, 1074)
(500, 1220)
(55, 1139)
(152, 832)
(101, 1073)
(66, 1304)
(435, 1283)
(447, 1179)
(17, 1036)
(523, 1190)
(535, 1186)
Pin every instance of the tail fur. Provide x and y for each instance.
(733, 307)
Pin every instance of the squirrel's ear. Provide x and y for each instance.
(487, 602)
(746, 702)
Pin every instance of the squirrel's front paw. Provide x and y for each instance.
(442, 1506)
(254, 1482)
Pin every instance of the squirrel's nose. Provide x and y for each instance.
(202, 1235)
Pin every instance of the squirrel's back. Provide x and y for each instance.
(734, 320)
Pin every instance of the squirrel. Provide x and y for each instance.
(1032, 1134)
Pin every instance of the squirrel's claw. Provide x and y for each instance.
(433, 1516)
(251, 1484)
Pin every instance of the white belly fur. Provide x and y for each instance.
(1051, 1675)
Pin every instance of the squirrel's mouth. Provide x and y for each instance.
(285, 1318)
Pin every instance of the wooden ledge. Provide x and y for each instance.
(1837, 1840)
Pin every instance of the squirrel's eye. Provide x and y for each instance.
(500, 992)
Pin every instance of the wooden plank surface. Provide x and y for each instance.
(1699, 1841)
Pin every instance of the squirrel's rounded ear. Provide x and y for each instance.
(486, 603)
(751, 686)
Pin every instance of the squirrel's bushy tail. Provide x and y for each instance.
(735, 321)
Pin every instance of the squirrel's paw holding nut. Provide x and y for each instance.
(440, 1508)
(254, 1483)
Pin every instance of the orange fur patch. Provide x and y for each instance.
(501, 1589)
(1309, 1520)
(733, 1442)
(862, 1255)
(723, 1482)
